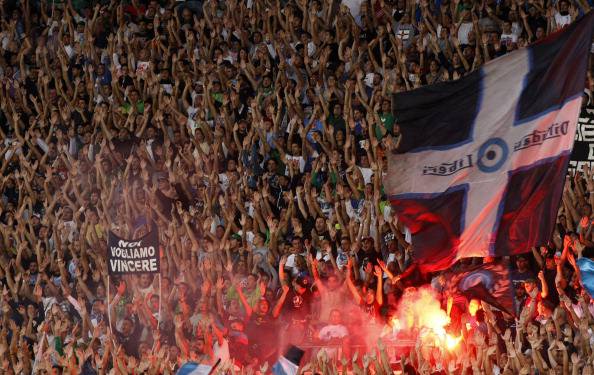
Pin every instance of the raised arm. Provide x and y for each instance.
(379, 293)
(351, 286)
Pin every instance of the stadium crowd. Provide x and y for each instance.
(254, 134)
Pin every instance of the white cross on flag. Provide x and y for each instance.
(481, 165)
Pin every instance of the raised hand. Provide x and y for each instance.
(377, 271)
(121, 288)
(575, 358)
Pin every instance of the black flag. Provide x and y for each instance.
(133, 256)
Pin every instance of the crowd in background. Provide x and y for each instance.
(254, 135)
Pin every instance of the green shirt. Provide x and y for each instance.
(128, 106)
(274, 154)
(217, 96)
(252, 297)
(337, 123)
(387, 120)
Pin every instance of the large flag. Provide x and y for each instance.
(489, 282)
(482, 160)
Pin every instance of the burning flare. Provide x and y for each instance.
(420, 311)
(452, 342)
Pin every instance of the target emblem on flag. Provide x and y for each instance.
(473, 279)
(492, 155)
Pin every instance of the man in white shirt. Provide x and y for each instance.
(335, 335)
(562, 17)
(508, 38)
(465, 28)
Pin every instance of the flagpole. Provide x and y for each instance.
(108, 303)
(214, 367)
(160, 303)
(109, 310)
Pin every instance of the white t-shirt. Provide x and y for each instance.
(167, 87)
(115, 59)
(79, 37)
(562, 21)
(331, 331)
(407, 235)
(517, 29)
(354, 6)
(508, 39)
(291, 264)
(249, 236)
(463, 31)
(223, 181)
(100, 99)
(300, 162)
(48, 302)
(69, 50)
(70, 231)
(579, 311)
(191, 111)
(142, 67)
(404, 33)
(352, 212)
(366, 172)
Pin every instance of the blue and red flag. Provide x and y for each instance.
(489, 282)
(482, 160)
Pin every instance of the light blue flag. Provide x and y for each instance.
(193, 368)
(284, 367)
(586, 267)
(288, 364)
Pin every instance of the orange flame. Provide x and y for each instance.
(452, 342)
(396, 326)
(421, 309)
